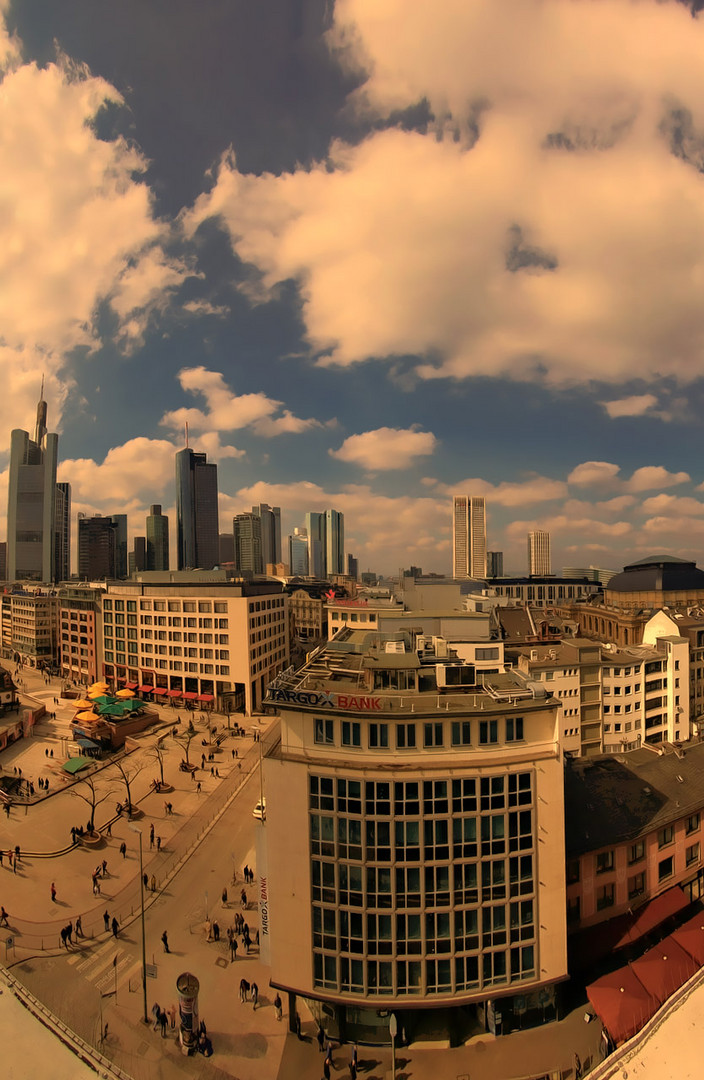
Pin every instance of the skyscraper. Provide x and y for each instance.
(495, 563)
(196, 511)
(469, 536)
(31, 502)
(97, 547)
(538, 553)
(247, 530)
(353, 567)
(62, 533)
(226, 548)
(271, 533)
(334, 542)
(120, 545)
(157, 539)
(138, 556)
(298, 553)
(315, 527)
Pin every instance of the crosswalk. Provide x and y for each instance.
(99, 966)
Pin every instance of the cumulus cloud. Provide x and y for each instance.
(576, 131)
(636, 405)
(227, 411)
(386, 448)
(136, 472)
(654, 476)
(532, 489)
(594, 474)
(673, 505)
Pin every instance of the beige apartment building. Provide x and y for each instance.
(195, 638)
(414, 842)
(30, 627)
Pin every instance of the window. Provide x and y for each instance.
(514, 728)
(572, 871)
(692, 854)
(378, 736)
(666, 868)
(486, 654)
(461, 733)
(636, 852)
(692, 824)
(666, 836)
(351, 733)
(605, 897)
(432, 735)
(488, 732)
(324, 732)
(636, 885)
(604, 862)
(406, 736)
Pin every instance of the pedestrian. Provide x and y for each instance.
(69, 933)
(79, 927)
(156, 1013)
(577, 1067)
(115, 926)
(198, 787)
(208, 930)
(165, 941)
(46, 752)
(255, 996)
(63, 936)
(106, 919)
(298, 1027)
(153, 883)
(244, 989)
(51, 753)
(3, 916)
(53, 893)
(233, 755)
(243, 898)
(246, 875)
(257, 939)
(158, 844)
(224, 897)
(216, 930)
(145, 881)
(2, 855)
(109, 828)
(328, 1056)
(233, 949)
(353, 1070)
(320, 1036)
(326, 1070)
(151, 836)
(277, 1006)
(162, 1022)
(123, 849)
(172, 1016)
(104, 865)
(17, 852)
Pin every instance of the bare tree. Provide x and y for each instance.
(184, 740)
(158, 753)
(129, 773)
(91, 798)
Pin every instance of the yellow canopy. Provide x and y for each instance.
(87, 716)
(124, 694)
(82, 703)
(98, 686)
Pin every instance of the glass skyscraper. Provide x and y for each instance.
(31, 503)
(197, 530)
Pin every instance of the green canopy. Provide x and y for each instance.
(120, 708)
(75, 764)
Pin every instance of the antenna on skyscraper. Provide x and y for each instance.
(40, 427)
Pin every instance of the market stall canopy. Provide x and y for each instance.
(691, 937)
(652, 914)
(622, 1003)
(75, 764)
(664, 968)
(124, 693)
(82, 703)
(87, 715)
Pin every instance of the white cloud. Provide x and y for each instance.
(137, 472)
(654, 476)
(226, 411)
(673, 505)
(564, 242)
(636, 405)
(533, 489)
(594, 474)
(204, 307)
(386, 448)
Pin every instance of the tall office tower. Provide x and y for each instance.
(97, 548)
(31, 502)
(3, 561)
(196, 511)
(226, 548)
(271, 533)
(469, 536)
(538, 553)
(247, 530)
(121, 545)
(495, 564)
(315, 527)
(353, 567)
(298, 553)
(334, 542)
(138, 556)
(62, 532)
(157, 539)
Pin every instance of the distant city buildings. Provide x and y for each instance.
(334, 543)
(62, 533)
(247, 532)
(298, 553)
(97, 548)
(197, 532)
(226, 548)
(538, 543)
(270, 518)
(157, 555)
(31, 503)
(353, 567)
(469, 536)
(494, 564)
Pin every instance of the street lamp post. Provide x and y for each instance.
(137, 830)
(393, 1031)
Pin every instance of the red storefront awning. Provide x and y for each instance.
(622, 1003)
(652, 914)
(664, 968)
(206, 697)
(131, 685)
(160, 690)
(146, 689)
(189, 695)
(175, 693)
(691, 937)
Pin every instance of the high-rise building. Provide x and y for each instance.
(31, 502)
(247, 531)
(62, 532)
(196, 511)
(157, 540)
(353, 567)
(97, 548)
(226, 548)
(271, 533)
(334, 542)
(298, 553)
(3, 561)
(495, 564)
(469, 536)
(138, 555)
(121, 545)
(538, 553)
(315, 528)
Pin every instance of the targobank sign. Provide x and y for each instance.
(317, 699)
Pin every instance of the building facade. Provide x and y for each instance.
(197, 528)
(495, 564)
(469, 536)
(30, 632)
(31, 503)
(62, 533)
(157, 540)
(97, 548)
(247, 531)
(414, 839)
(298, 553)
(79, 609)
(315, 531)
(334, 543)
(538, 553)
(270, 517)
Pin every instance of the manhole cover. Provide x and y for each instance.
(222, 962)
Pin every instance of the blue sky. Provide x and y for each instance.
(375, 252)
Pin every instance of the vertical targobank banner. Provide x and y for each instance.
(263, 893)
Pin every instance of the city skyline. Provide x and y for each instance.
(186, 264)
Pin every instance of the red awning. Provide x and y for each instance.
(622, 1003)
(189, 695)
(160, 690)
(664, 968)
(652, 914)
(131, 685)
(206, 697)
(146, 689)
(691, 937)
(175, 693)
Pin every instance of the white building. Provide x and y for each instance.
(538, 553)
(469, 536)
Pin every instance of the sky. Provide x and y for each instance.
(374, 253)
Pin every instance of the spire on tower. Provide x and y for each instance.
(40, 429)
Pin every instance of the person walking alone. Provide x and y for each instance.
(115, 926)
(165, 941)
(53, 893)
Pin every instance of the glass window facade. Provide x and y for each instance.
(423, 887)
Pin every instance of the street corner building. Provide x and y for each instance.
(415, 842)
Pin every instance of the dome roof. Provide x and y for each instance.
(658, 573)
